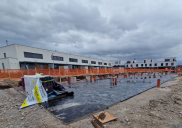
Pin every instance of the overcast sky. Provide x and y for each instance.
(105, 29)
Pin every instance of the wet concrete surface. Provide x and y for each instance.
(93, 96)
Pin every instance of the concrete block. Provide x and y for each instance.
(88, 78)
(73, 79)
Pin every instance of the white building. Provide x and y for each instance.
(149, 63)
(117, 63)
(17, 56)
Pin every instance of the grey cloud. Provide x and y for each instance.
(105, 29)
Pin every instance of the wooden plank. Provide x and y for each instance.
(107, 118)
(57, 97)
(94, 124)
(99, 123)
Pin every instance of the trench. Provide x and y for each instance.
(4, 87)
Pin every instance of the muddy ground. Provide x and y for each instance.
(155, 108)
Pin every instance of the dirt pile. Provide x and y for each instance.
(10, 84)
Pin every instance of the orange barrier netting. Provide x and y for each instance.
(18, 73)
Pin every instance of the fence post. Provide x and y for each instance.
(35, 70)
(115, 81)
(158, 82)
(21, 72)
(9, 74)
(59, 71)
(49, 71)
(90, 78)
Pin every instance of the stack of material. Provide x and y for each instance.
(52, 88)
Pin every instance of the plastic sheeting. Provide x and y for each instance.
(37, 95)
(39, 88)
(92, 96)
(30, 82)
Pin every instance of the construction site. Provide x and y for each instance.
(98, 98)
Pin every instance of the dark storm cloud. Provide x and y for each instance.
(105, 29)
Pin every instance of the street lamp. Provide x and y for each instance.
(53, 61)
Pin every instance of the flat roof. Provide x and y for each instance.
(54, 51)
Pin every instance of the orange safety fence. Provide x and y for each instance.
(18, 73)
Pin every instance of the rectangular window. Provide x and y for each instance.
(136, 65)
(100, 63)
(3, 66)
(128, 62)
(161, 64)
(144, 61)
(166, 64)
(73, 60)
(4, 55)
(155, 64)
(141, 65)
(41, 66)
(93, 62)
(105, 63)
(133, 61)
(84, 61)
(151, 60)
(126, 65)
(172, 64)
(33, 55)
(167, 60)
(150, 64)
(57, 58)
(145, 65)
(173, 59)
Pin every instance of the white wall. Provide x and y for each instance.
(47, 57)
(131, 61)
(9, 63)
(117, 62)
(170, 58)
(14, 63)
(148, 62)
(6, 63)
(9, 50)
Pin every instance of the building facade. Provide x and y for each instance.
(17, 56)
(118, 64)
(149, 63)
